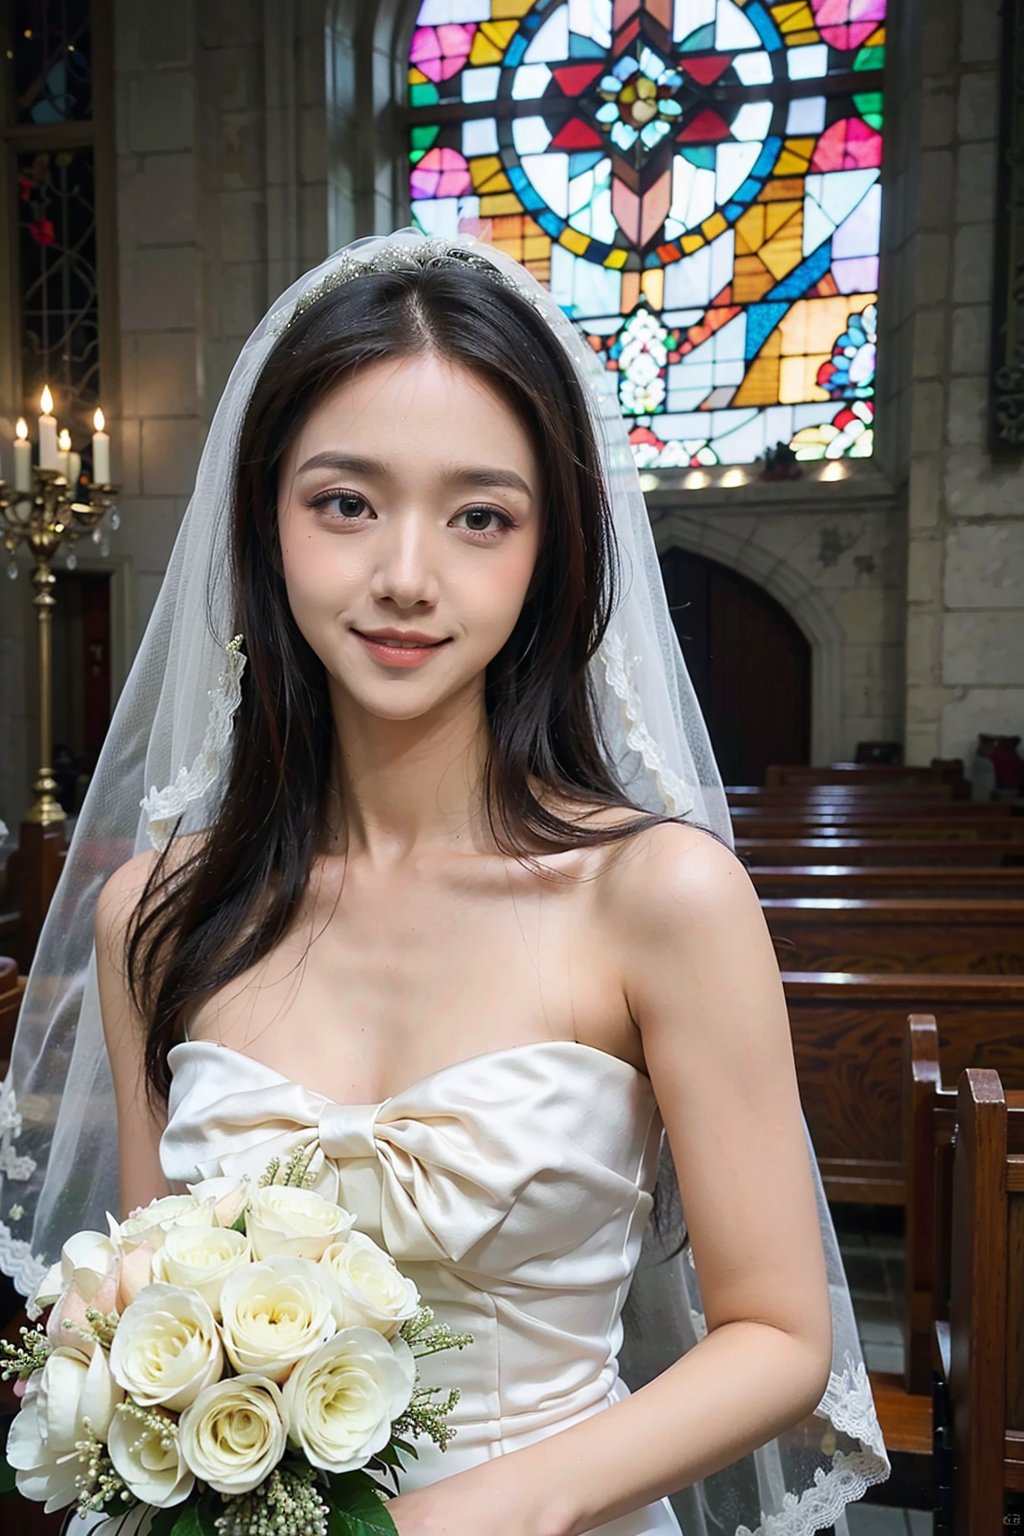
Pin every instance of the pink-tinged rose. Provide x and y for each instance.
(136, 1273)
(230, 1197)
(84, 1251)
(89, 1290)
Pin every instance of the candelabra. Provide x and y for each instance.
(51, 514)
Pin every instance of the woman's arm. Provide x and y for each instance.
(703, 986)
(139, 1126)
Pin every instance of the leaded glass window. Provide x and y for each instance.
(48, 103)
(698, 181)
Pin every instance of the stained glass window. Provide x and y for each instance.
(698, 182)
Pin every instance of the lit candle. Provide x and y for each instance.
(47, 431)
(64, 452)
(22, 457)
(100, 451)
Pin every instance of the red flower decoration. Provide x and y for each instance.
(42, 231)
(25, 188)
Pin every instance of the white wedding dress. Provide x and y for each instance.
(514, 1188)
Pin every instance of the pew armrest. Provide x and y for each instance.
(942, 1347)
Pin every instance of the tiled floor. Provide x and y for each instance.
(872, 1248)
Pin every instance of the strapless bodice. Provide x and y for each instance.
(513, 1187)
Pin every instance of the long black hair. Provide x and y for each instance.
(207, 917)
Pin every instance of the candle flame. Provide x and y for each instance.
(21, 430)
(99, 421)
(46, 401)
(64, 440)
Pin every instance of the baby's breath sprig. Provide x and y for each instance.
(425, 1417)
(425, 1337)
(153, 1420)
(23, 1359)
(296, 1170)
(98, 1483)
(98, 1326)
(287, 1503)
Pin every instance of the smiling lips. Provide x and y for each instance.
(400, 648)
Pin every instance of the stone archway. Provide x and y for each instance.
(804, 604)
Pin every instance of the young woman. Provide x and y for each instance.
(439, 899)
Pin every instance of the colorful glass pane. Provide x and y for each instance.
(698, 181)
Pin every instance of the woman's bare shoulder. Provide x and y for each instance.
(669, 865)
(123, 890)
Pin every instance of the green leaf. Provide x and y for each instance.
(355, 1509)
(238, 1225)
(196, 1519)
(407, 1448)
(163, 1521)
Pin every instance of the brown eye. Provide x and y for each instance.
(348, 503)
(483, 520)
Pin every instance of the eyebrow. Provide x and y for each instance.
(464, 474)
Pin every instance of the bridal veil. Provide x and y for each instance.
(162, 762)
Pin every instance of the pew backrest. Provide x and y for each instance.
(985, 1374)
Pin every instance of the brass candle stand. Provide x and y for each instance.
(50, 516)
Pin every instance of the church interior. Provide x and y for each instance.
(793, 231)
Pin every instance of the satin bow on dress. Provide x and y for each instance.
(513, 1188)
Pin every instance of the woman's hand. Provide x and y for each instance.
(483, 1501)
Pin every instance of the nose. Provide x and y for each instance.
(405, 570)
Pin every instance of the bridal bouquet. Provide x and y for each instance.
(237, 1361)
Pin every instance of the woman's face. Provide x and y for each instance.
(409, 511)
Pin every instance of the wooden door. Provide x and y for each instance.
(750, 664)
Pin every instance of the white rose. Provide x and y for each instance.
(201, 1258)
(374, 1293)
(275, 1313)
(230, 1197)
(166, 1348)
(233, 1435)
(39, 1473)
(92, 1252)
(298, 1222)
(73, 1388)
(341, 1401)
(149, 1459)
(151, 1223)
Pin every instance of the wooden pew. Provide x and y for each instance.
(921, 828)
(873, 808)
(980, 1347)
(972, 882)
(783, 775)
(883, 934)
(848, 1033)
(929, 1126)
(840, 794)
(761, 852)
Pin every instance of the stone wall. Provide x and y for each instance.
(221, 202)
(965, 587)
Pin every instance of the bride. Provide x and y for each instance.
(440, 887)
